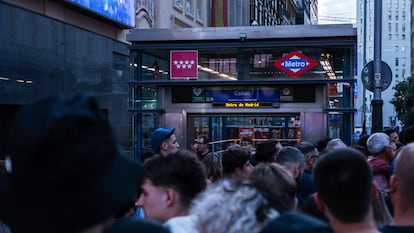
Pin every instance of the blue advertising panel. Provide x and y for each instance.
(255, 94)
(120, 11)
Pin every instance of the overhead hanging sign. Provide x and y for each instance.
(295, 63)
(249, 96)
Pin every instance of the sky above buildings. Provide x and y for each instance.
(334, 11)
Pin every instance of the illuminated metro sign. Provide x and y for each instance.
(243, 95)
(242, 105)
(295, 63)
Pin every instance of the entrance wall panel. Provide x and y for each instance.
(177, 120)
(314, 126)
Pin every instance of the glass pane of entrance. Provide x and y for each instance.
(223, 130)
(335, 125)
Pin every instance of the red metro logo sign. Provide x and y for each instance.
(295, 63)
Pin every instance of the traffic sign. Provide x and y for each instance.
(368, 76)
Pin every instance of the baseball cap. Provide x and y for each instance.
(158, 136)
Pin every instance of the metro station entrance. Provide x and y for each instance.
(287, 84)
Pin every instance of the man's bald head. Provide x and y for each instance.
(403, 173)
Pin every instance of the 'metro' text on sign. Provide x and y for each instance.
(294, 63)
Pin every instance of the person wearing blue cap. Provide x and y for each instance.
(163, 141)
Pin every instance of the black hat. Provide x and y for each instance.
(64, 169)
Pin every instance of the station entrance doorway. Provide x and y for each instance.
(225, 129)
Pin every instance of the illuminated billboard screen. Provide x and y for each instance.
(120, 11)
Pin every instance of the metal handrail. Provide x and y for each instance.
(237, 140)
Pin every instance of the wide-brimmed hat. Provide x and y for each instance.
(158, 136)
(64, 168)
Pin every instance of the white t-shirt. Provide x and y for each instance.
(182, 224)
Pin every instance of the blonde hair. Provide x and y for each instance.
(232, 207)
(382, 215)
(213, 166)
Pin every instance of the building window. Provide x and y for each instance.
(223, 65)
(403, 36)
(199, 11)
(396, 27)
(262, 60)
(178, 4)
(397, 48)
(389, 27)
(397, 61)
(389, 36)
(403, 27)
(189, 7)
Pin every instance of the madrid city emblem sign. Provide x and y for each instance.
(295, 63)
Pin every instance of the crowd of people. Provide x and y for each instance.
(64, 172)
